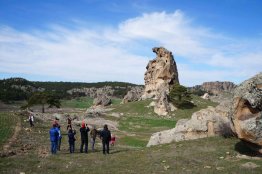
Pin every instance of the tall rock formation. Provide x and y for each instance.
(246, 112)
(161, 73)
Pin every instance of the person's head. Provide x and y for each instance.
(83, 125)
(70, 131)
(105, 127)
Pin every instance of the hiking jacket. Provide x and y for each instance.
(54, 134)
(71, 136)
(84, 133)
(93, 134)
(105, 135)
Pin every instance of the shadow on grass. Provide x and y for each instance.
(186, 105)
(246, 148)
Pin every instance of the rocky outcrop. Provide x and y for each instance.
(93, 92)
(162, 106)
(204, 123)
(215, 87)
(102, 100)
(133, 95)
(161, 73)
(246, 112)
(218, 87)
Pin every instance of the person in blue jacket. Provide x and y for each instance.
(54, 135)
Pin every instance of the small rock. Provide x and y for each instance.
(250, 165)
(166, 167)
(220, 168)
(207, 167)
(163, 161)
(22, 172)
(221, 157)
(227, 153)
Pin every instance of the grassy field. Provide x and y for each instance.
(7, 126)
(129, 155)
(81, 102)
(209, 155)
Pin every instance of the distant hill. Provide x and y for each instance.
(13, 89)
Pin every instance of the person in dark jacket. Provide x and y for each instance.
(54, 135)
(84, 137)
(105, 135)
(71, 140)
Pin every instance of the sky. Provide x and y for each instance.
(102, 40)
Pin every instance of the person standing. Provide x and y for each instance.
(93, 134)
(71, 140)
(31, 120)
(53, 138)
(69, 123)
(59, 137)
(84, 137)
(105, 135)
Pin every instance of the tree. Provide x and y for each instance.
(180, 96)
(43, 98)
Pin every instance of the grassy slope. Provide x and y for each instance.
(81, 102)
(7, 126)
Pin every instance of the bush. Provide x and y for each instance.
(180, 96)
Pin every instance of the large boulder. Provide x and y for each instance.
(204, 123)
(246, 112)
(161, 73)
(102, 100)
(134, 94)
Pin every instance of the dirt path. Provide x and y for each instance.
(13, 139)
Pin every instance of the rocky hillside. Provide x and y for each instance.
(21, 89)
(215, 87)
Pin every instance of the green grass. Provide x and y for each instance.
(82, 102)
(140, 124)
(116, 101)
(133, 141)
(7, 126)
(199, 104)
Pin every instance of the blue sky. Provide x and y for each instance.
(99, 40)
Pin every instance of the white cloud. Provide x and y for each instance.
(89, 54)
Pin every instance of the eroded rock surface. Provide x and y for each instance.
(246, 112)
(102, 100)
(134, 94)
(204, 123)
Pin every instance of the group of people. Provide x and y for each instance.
(105, 136)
